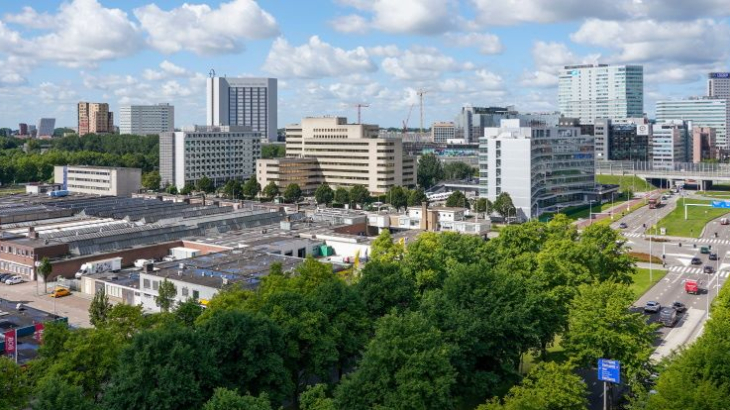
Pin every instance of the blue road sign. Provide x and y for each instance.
(609, 370)
(721, 204)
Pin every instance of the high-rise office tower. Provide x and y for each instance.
(718, 85)
(703, 112)
(95, 118)
(146, 119)
(591, 91)
(22, 129)
(46, 127)
(243, 102)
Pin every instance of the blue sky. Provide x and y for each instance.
(332, 54)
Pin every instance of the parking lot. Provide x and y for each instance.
(75, 307)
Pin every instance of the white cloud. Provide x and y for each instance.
(485, 42)
(168, 69)
(422, 63)
(28, 17)
(352, 23)
(385, 51)
(153, 75)
(173, 69)
(549, 58)
(206, 31)
(90, 33)
(316, 59)
(404, 16)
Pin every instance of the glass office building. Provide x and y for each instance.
(703, 112)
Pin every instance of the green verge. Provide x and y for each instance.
(697, 218)
(626, 182)
(641, 280)
(715, 194)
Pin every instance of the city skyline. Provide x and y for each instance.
(330, 55)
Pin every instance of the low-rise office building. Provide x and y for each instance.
(91, 180)
(702, 111)
(622, 139)
(704, 144)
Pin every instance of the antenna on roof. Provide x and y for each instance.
(211, 73)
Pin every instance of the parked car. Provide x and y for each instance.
(709, 269)
(713, 256)
(724, 221)
(696, 261)
(5, 276)
(652, 307)
(14, 280)
(623, 225)
(679, 307)
(60, 292)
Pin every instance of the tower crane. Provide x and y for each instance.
(420, 94)
(359, 106)
(405, 122)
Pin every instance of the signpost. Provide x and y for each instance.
(11, 344)
(609, 371)
(721, 204)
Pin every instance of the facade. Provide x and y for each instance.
(304, 172)
(442, 132)
(95, 118)
(46, 126)
(346, 155)
(22, 129)
(669, 144)
(248, 102)
(622, 139)
(718, 85)
(592, 91)
(113, 181)
(703, 144)
(543, 169)
(219, 153)
(471, 121)
(703, 112)
(146, 119)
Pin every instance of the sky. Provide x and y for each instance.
(332, 54)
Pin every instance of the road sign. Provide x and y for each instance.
(721, 204)
(609, 370)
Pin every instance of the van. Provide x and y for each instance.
(724, 221)
(668, 316)
(705, 250)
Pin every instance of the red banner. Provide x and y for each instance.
(11, 342)
(38, 334)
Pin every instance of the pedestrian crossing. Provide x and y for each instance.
(699, 242)
(696, 271)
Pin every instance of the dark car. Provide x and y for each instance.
(679, 307)
(713, 256)
(709, 269)
(696, 261)
(623, 225)
(652, 307)
(668, 317)
(4, 276)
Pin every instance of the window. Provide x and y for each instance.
(185, 291)
(155, 285)
(146, 284)
(196, 294)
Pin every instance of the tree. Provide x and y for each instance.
(151, 180)
(458, 170)
(417, 197)
(232, 188)
(504, 206)
(171, 189)
(359, 195)
(323, 194)
(188, 312)
(13, 385)
(549, 386)
(315, 398)
(166, 293)
(383, 288)
(405, 366)
(484, 205)
(251, 188)
(224, 399)
(273, 151)
(44, 271)
(342, 196)
(397, 197)
(457, 199)
(292, 193)
(205, 184)
(56, 394)
(271, 190)
(429, 171)
(99, 308)
(384, 250)
(187, 189)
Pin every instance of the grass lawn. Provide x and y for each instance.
(697, 218)
(12, 190)
(626, 182)
(715, 194)
(641, 280)
(582, 211)
(555, 353)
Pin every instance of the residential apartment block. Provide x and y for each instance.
(702, 111)
(115, 181)
(248, 102)
(146, 119)
(217, 152)
(95, 118)
(592, 91)
(345, 154)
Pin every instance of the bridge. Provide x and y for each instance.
(704, 173)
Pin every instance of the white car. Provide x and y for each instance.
(14, 280)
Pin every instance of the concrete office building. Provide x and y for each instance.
(622, 139)
(248, 102)
(346, 155)
(114, 181)
(718, 85)
(219, 153)
(471, 121)
(703, 144)
(22, 129)
(669, 144)
(702, 111)
(146, 119)
(95, 118)
(591, 91)
(442, 132)
(542, 168)
(46, 126)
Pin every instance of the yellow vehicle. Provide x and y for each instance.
(60, 292)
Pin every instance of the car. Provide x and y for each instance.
(60, 292)
(652, 307)
(623, 225)
(14, 280)
(696, 261)
(668, 317)
(724, 221)
(708, 269)
(713, 256)
(705, 250)
(679, 307)
(5, 276)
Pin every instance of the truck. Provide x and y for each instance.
(655, 201)
(668, 316)
(691, 286)
(100, 266)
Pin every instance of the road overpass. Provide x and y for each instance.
(705, 174)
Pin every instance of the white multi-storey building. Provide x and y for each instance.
(84, 179)
(591, 91)
(219, 153)
(146, 119)
(46, 126)
(543, 169)
(244, 102)
(703, 112)
(669, 144)
(718, 85)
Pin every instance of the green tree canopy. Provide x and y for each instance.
(429, 171)
(225, 399)
(271, 190)
(416, 197)
(458, 170)
(151, 180)
(324, 194)
(383, 249)
(504, 206)
(205, 184)
(397, 197)
(187, 189)
(292, 193)
(99, 308)
(359, 195)
(342, 196)
(14, 385)
(457, 199)
(384, 288)
(251, 188)
(166, 293)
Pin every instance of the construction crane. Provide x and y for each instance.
(420, 94)
(405, 122)
(360, 106)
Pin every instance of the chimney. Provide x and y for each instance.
(424, 216)
(32, 234)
